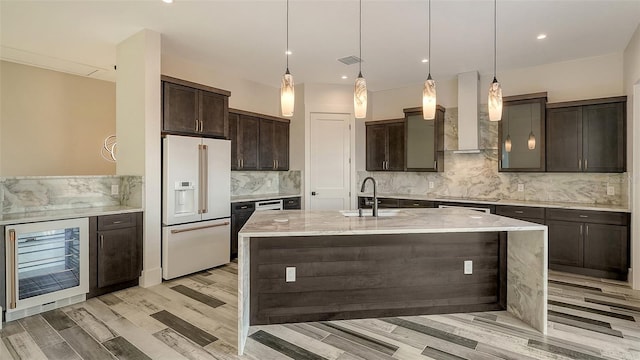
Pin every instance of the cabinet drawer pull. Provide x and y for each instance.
(244, 207)
(199, 228)
(584, 216)
(519, 212)
(118, 222)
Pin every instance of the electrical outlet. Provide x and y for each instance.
(468, 267)
(520, 187)
(290, 274)
(115, 189)
(611, 190)
(431, 185)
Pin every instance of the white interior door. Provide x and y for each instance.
(330, 170)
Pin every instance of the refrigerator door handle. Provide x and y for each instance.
(199, 228)
(201, 184)
(205, 179)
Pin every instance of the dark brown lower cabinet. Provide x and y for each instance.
(115, 252)
(291, 203)
(240, 214)
(592, 243)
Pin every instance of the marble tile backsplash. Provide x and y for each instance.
(477, 176)
(41, 193)
(265, 182)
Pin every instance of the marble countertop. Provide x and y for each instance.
(327, 222)
(47, 215)
(511, 202)
(243, 198)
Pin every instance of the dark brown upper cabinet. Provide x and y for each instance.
(194, 109)
(521, 116)
(587, 136)
(258, 142)
(424, 140)
(274, 145)
(385, 145)
(244, 131)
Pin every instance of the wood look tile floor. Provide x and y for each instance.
(194, 317)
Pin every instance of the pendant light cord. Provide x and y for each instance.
(429, 59)
(495, 37)
(287, 36)
(360, 40)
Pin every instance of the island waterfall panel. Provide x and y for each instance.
(369, 276)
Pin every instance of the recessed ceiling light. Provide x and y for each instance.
(541, 36)
(288, 52)
(344, 77)
(167, 1)
(425, 60)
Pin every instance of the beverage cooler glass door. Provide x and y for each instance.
(46, 261)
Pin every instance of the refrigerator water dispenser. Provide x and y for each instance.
(184, 192)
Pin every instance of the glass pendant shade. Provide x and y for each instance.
(360, 97)
(287, 94)
(532, 141)
(507, 144)
(495, 101)
(429, 99)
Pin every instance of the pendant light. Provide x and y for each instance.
(287, 93)
(507, 142)
(360, 90)
(531, 143)
(495, 91)
(429, 90)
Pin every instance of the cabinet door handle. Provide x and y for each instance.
(244, 207)
(118, 222)
(581, 229)
(435, 164)
(586, 163)
(201, 126)
(587, 226)
(580, 164)
(101, 241)
(197, 125)
(242, 163)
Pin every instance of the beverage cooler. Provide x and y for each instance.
(46, 265)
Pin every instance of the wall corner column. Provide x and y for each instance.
(138, 119)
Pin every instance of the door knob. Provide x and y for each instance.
(313, 193)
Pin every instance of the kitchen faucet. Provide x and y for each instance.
(375, 194)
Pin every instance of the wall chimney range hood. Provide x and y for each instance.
(468, 119)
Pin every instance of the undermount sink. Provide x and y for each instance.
(369, 213)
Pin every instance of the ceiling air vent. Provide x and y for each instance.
(350, 60)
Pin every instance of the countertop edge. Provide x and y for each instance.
(250, 198)
(66, 214)
(572, 206)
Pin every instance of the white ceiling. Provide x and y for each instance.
(247, 38)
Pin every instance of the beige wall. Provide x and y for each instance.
(53, 123)
(245, 94)
(563, 81)
(632, 89)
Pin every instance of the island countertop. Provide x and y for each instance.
(404, 221)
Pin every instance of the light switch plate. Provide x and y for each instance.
(115, 189)
(611, 190)
(468, 267)
(431, 185)
(290, 274)
(520, 187)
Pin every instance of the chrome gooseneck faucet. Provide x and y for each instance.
(375, 194)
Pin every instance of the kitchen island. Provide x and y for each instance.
(297, 266)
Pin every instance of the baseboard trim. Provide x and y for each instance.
(151, 277)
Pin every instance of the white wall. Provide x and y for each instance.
(245, 94)
(138, 109)
(563, 81)
(631, 71)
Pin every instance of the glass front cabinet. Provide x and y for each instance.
(522, 133)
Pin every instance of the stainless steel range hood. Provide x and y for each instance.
(468, 118)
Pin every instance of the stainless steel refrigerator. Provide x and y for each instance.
(196, 184)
